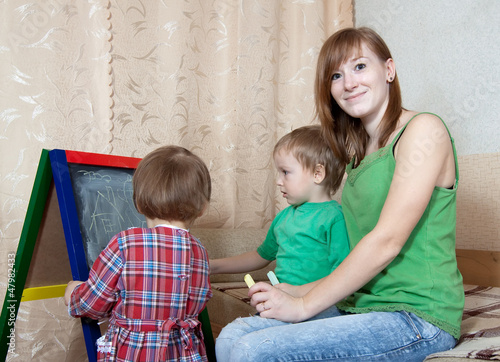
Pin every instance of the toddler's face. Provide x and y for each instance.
(295, 183)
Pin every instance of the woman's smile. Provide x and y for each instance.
(355, 97)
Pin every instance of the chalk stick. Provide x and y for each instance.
(249, 280)
(272, 278)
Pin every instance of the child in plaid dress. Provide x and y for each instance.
(153, 282)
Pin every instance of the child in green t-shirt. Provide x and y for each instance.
(308, 239)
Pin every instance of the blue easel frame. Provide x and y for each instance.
(74, 240)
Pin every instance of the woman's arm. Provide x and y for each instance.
(242, 263)
(424, 160)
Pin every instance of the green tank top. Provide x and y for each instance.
(423, 279)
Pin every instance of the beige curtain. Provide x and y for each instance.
(224, 79)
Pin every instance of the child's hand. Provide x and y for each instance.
(69, 289)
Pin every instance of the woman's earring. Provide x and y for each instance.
(390, 79)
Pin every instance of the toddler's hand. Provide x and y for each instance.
(69, 289)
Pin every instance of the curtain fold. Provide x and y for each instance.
(225, 79)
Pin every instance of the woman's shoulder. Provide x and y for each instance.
(423, 124)
(425, 135)
(421, 119)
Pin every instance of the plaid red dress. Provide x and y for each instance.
(152, 283)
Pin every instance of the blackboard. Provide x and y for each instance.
(104, 203)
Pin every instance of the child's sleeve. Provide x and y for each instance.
(269, 247)
(96, 297)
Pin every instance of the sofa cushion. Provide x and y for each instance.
(480, 337)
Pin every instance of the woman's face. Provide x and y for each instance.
(361, 85)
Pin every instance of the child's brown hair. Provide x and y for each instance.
(309, 147)
(171, 183)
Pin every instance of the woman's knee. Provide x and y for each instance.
(229, 335)
(237, 340)
(237, 328)
(249, 347)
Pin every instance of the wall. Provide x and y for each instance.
(447, 56)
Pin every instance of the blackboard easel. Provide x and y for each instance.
(58, 169)
(60, 161)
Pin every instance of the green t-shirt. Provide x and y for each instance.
(424, 278)
(308, 241)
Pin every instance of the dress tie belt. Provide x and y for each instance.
(183, 326)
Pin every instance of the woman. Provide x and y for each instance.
(399, 293)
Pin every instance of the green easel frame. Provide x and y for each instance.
(27, 241)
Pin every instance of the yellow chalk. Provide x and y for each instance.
(249, 280)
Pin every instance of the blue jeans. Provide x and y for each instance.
(333, 335)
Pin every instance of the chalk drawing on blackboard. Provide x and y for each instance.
(104, 201)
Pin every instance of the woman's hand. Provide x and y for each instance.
(272, 302)
(292, 290)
